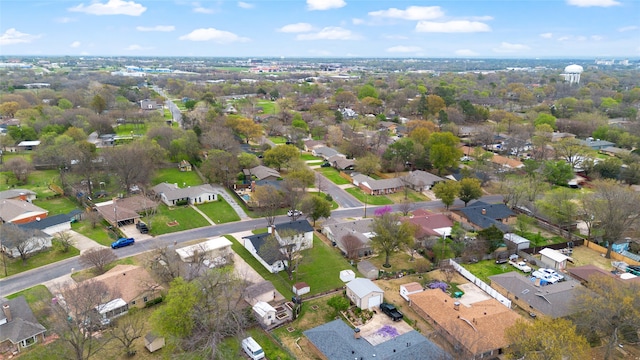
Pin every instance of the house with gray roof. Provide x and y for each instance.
(596, 144)
(15, 240)
(553, 300)
(20, 212)
(261, 172)
(364, 293)
(419, 180)
(324, 152)
(18, 194)
(171, 194)
(340, 162)
(377, 187)
(481, 215)
(335, 340)
(19, 328)
(351, 237)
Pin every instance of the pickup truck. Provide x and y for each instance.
(521, 265)
(391, 311)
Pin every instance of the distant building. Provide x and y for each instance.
(572, 74)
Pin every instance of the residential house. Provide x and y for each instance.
(351, 237)
(260, 173)
(596, 144)
(348, 113)
(477, 329)
(410, 289)
(336, 340)
(171, 194)
(147, 104)
(506, 163)
(19, 328)
(324, 152)
(50, 225)
(615, 151)
(153, 342)
(271, 260)
(419, 180)
(18, 194)
(388, 126)
(264, 313)
(481, 215)
(263, 291)
(20, 212)
(124, 211)
(429, 226)
(364, 293)
(16, 241)
(367, 269)
(184, 166)
(340, 162)
(555, 258)
(552, 300)
(134, 285)
(28, 145)
(377, 187)
(309, 145)
(586, 273)
(213, 252)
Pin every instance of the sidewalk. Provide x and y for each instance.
(231, 201)
(203, 214)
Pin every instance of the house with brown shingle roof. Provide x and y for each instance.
(429, 225)
(133, 284)
(477, 329)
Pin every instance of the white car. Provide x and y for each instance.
(548, 275)
(295, 213)
(521, 265)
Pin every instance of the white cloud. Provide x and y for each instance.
(245, 5)
(597, 37)
(111, 7)
(296, 28)
(13, 36)
(506, 47)
(590, 3)
(404, 49)
(136, 47)
(454, 26)
(410, 13)
(546, 35)
(161, 28)
(628, 28)
(75, 44)
(202, 10)
(466, 52)
(564, 38)
(211, 34)
(64, 20)
(330, 33)
(356, 21)
(325, 4)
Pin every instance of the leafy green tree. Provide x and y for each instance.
(245, 127)
(391, 234)
(98, 104)
(190, 104)
(338, 303)
(546, 339)
(443, 150)
(367, 90)
(470, 189)
(368, 164)
(545, 119)
(64, 104)
(315, 207)
(399, 153)
(559, 206)
(446, 191)
(609, 168)
(493, 236)
(280, 155)
(557, 172)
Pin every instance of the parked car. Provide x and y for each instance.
(548, 275)
(122, 242)
(291, 213)
(252, 348)
(142, 227)
(325, 164)
(391, 311)
(521, 265)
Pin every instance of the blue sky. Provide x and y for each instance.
(323, 28)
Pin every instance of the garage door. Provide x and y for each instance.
(374, 301)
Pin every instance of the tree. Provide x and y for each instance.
(65, 240)
(546, 339)
(26, 242)
(615, 208)
(127, 329)
(176, 318)
(20, 168)
(443, 150)
(219, 166)
(390, 234)
(245, 127)
(559, 206)
(98, 258)
(98, 104)
(315, 207)
(609, 310)
(557, 172)
(446, 191)
(9, 108)
(571, 151)
(134, 163)
(74, 318)
(293, 191)
(368, 164)
(280, 155)
(546, 119)
(470, 189)
(268, 200)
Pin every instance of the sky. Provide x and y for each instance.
(527, 29)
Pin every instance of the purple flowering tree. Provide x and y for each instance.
(383, 210)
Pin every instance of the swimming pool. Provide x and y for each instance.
(246, 197)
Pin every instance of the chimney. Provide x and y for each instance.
(484, 211)
(23, 196)
(7, 312)
(356, 333)
(456, 306)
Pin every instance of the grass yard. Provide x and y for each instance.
(268, 107)
(334, 204)
(278, 140)
(413, 196)
(38, 182)
(99, 234)
(486, 268)
(128, 129)
(399, 261)
(16, 266)
(219, 211)
(175, 176)
(58, 205)
(310, 157)
(174, 219)
(333, 175)
(369, 199)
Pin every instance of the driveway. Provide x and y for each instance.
(378, 329)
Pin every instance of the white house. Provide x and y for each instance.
(554, 257)
(13, 245)
(217, 251)
(265, 313)
(270, 260)
(410, 288)
(171, 194)
(364, 293)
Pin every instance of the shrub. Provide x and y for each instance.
(339, 303)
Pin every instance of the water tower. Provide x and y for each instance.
(572, 74)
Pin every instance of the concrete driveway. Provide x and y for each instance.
(371, 330)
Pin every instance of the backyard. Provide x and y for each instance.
(174, 176)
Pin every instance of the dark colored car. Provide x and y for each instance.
(325, 164)
(142, 227)
(122, 242)
(391, 311)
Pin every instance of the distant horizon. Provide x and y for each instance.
(464, 29)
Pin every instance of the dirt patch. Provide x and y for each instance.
(172, 223)
(582, 255)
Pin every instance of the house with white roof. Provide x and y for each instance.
(364, 293)
(171, 194)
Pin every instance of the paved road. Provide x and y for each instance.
(175, 112)
(49, 272)
(343, 198)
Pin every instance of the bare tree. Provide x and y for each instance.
(98, 258)
(134, 163)
(293, 192)
(165, 263)
(65, 240)
(405, 207)
(268, 200)
(74, 317)
(25, 242)
(20, 168)
(352, 246)
(128, 329)
(93, 217)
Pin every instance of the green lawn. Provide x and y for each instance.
(99, 234)
(219, 211)
(167, 114)
(128, 129)
(412, 196)
(268, 107)
(333, 175)
(58, 205)
(486, 268)
(369, 199)
(175, 176)
(15, 266)
(174, 219)
(309, 157)
(278, 140)
(272, 349)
